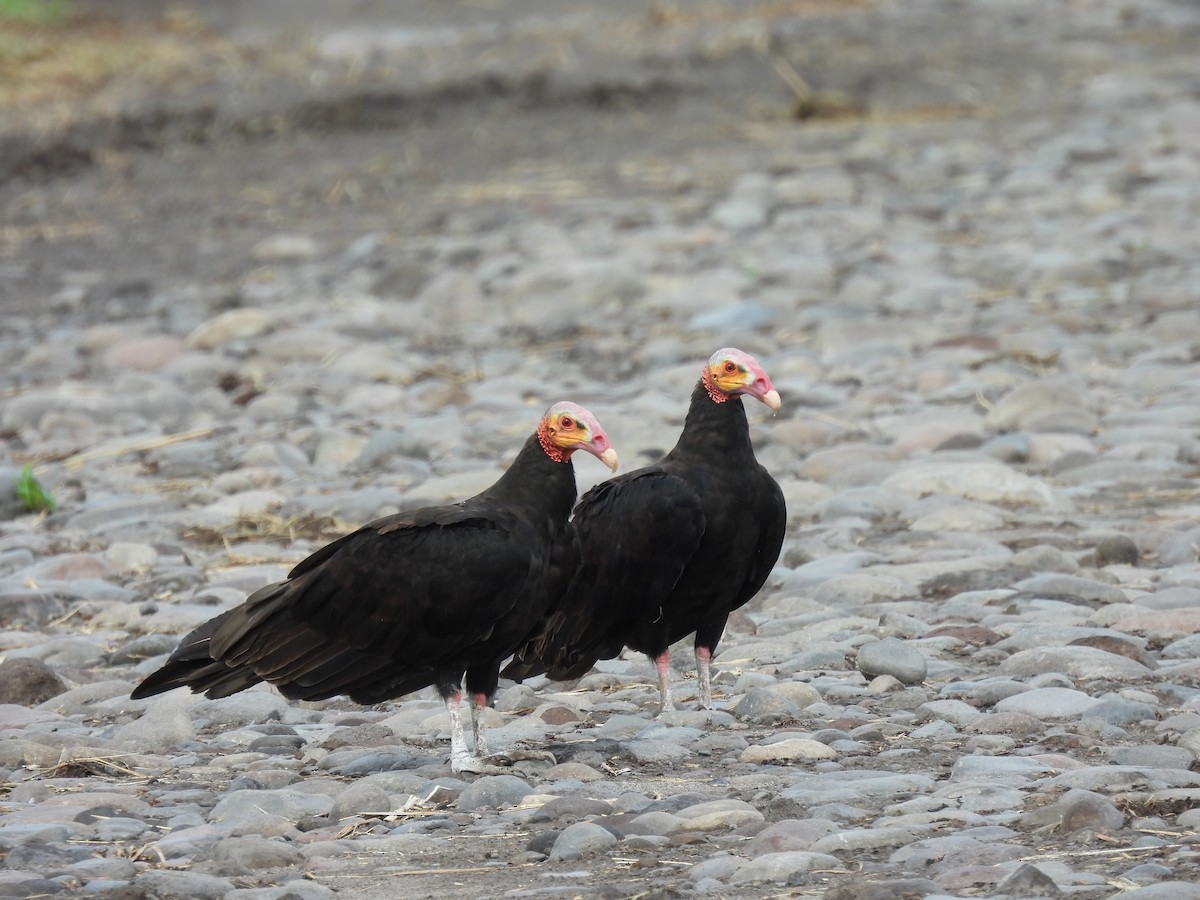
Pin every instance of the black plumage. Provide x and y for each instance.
(672, 548)
(437, 596)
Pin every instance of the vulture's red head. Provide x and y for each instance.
(568, 427)
(731, 372)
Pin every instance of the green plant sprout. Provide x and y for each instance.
(34, 12)
(32, 492)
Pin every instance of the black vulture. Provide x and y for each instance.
(437, 596)
(672, 548)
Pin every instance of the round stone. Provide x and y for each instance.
(891, 656)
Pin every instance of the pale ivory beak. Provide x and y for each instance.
(771, 398)
(609, 458)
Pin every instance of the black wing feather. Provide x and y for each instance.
(409, 600)
(667, 550)
(397, 599)
(636, 535)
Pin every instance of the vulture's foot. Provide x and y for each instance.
(473, 765)
(516, 755)
(497, 763)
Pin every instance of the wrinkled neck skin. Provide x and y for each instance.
(558, 454)
(715, 394)
(714, 428)
(536, 481)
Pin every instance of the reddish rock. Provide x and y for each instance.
(147, 353)
(1113, 644)
(970, 634)
(788, 834)
(1017, 724)
(559, 715)
(71, 566)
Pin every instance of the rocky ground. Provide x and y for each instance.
(280, 280)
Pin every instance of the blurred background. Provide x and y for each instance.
(435, 205)
(146, 141)
(271, 269)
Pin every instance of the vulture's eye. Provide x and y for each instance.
(566, 422)
(730, 368)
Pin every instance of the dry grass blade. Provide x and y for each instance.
(809, 103)
(465, 870)
(74, 462)
(356, 829)
(66, 617)
(785, 70)
(1114, 851)
(268, 527)
(414, 807)
(1160, 833)
(89, 766)
(149, 853)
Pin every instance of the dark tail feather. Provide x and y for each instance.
(213, 679)
(191, 666)
(565, 664)
(566, 669)
(525, 664)
(569, 670)
(562, 649)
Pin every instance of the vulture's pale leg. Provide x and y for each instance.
(479, 704)
(480, 762)
(663, 663)
(505, 757)
(704, 676)
(461, 759)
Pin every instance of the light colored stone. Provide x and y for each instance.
(890, 656)
(1049, 703)
(983, 481)
(787, 750)
(236, 324)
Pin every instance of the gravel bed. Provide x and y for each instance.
(975, 671)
